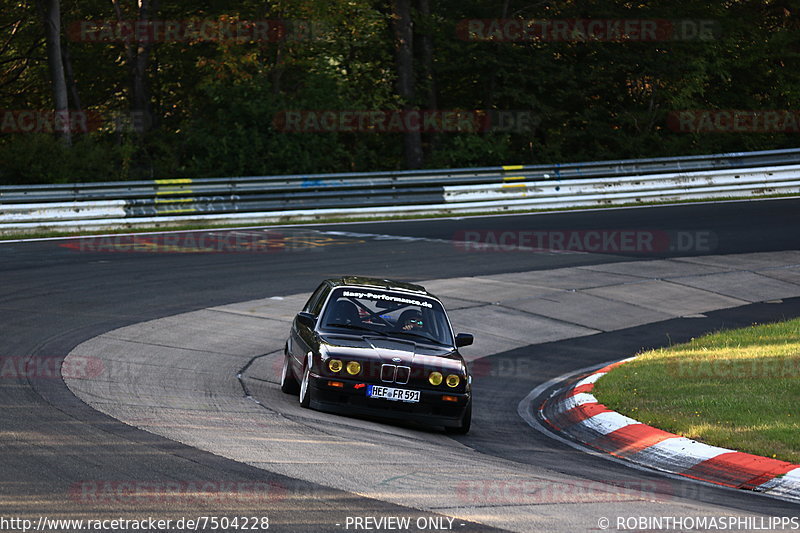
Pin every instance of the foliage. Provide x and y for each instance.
(215, 102)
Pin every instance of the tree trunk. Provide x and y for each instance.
(69, 76)
(51, 18)
(140, 88)
(490, 93)
(404, 55)
(427, 67)
(137, 55)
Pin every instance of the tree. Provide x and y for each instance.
(404, 54)
(138, 59)
(51, 18)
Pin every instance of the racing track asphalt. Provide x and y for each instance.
(52, 298)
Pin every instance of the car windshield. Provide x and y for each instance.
(387, 313)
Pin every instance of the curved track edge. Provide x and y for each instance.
(572, 410)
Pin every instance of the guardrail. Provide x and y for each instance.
(298, 197)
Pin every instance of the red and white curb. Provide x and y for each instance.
(574, 411)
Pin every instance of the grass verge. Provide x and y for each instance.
(738, 389)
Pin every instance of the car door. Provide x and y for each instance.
(303, 338)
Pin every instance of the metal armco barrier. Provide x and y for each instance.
(495, 189)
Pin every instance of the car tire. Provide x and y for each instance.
(305, 388)
(288, 382)
(463, 427)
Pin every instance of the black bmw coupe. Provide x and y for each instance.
(365, 346)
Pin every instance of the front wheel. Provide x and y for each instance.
(463, 427)
(288, 382)
(305, 391)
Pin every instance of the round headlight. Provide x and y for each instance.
(353, 367)
(435, 378)
(335, 365)
(453, 380)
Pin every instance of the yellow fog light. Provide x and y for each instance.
(453, 380)
(353, 367)
(335, 365)
(435, 378)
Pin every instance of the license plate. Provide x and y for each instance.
(390, 393)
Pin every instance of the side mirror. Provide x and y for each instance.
(464, 339)
(306, 319)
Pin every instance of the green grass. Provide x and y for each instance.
(738, 389)
(176, 226)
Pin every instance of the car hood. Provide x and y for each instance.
(386, 350)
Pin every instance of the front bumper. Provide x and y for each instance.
(350, 400)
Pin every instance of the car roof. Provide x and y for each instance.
(376, 283)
